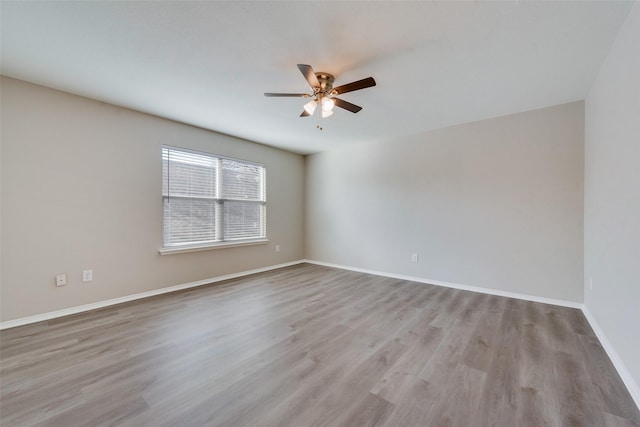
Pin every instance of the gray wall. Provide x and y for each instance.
(81, 189)
(496, 204)
(612, 197)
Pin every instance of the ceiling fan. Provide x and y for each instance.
(324, 92)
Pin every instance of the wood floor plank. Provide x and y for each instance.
(420, 397)
(309, 345)
(394, 385)
(538, 407)
(502, 393)
(458, 399)
(371, 411)
(605, 382)
(356, 383)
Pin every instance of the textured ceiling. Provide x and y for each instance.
(208, 63)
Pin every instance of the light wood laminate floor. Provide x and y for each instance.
(313, 346)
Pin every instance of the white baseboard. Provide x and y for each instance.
(632, 386)
(624, 373)
(101, 304)
(562, 303)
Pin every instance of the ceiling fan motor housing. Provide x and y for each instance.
(326, 82)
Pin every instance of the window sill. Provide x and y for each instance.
(232, 244)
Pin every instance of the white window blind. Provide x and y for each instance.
(209, 199)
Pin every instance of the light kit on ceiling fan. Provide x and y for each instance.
(327, 104)
(324, 92)
(310, 106)
(327, 107)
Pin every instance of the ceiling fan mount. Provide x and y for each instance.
(326, 81)
(324, 93)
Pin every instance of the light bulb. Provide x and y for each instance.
(327, 104)
(326, 113)
(310, 106)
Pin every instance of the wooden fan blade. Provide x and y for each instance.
(350, 87)
(309, 74)
(304, 113)
(301, 95)
(346, 105)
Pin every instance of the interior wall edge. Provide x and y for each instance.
(114, 301)
(483, 290)
(618, 363)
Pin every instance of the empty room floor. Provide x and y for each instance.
(313, 346)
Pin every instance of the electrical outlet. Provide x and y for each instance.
(414, 257)
(61, 279)
(87, 275)
(277, 248)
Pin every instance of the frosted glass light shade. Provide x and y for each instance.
(310, 106)
(327, 104)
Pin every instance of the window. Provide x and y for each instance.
(210, 200)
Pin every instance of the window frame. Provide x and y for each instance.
(219, 201)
